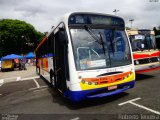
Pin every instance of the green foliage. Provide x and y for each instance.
(156, 30)
(128, 28)
(17, 37)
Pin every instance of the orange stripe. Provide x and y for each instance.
(44, 39)
(108, 79)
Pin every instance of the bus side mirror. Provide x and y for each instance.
(62, 36)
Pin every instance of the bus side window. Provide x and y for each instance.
(51, 45)
(62, 36)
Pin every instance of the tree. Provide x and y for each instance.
(157, 31)
(17, 37)
(128, 28)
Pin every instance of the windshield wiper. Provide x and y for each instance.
(94, 35)
(102, 42)
(111, 38)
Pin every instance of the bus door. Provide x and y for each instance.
(61, 60)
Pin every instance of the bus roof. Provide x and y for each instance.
(64, 19)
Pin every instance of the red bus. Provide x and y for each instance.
(146, 54)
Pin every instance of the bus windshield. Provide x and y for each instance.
(142, 42)
(110, 49)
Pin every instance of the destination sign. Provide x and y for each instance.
(95, 19)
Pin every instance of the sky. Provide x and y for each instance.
(43, 14)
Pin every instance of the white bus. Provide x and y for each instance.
(87, 55)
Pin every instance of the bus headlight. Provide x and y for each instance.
(89, 83)
(137, 62)
(94, 83)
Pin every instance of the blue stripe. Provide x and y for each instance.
(89, 94)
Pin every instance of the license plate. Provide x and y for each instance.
(112, 87)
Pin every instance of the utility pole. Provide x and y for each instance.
(115, 11)
(131, 20)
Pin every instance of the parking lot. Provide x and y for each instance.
(25, 95)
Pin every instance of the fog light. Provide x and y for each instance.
(83, 81)
(96, 83)
(89, 83)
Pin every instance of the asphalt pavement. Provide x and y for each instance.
(31, 97)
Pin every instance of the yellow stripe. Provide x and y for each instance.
(88, 87)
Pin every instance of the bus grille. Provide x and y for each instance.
(106, 79)
(154, 59)
(146, 60)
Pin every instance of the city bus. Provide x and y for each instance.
(87, 55)
(145, 51)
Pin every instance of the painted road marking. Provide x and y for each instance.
(138, 105)
(77, 118)
(10, 78)
(43, 86)
(30, 78)
(37, 88)
(18, 79)
(1, 82)
(129, 101)
(40, 90)
(37, 84)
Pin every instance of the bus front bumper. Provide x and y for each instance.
(97, 93)
(147, 67)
